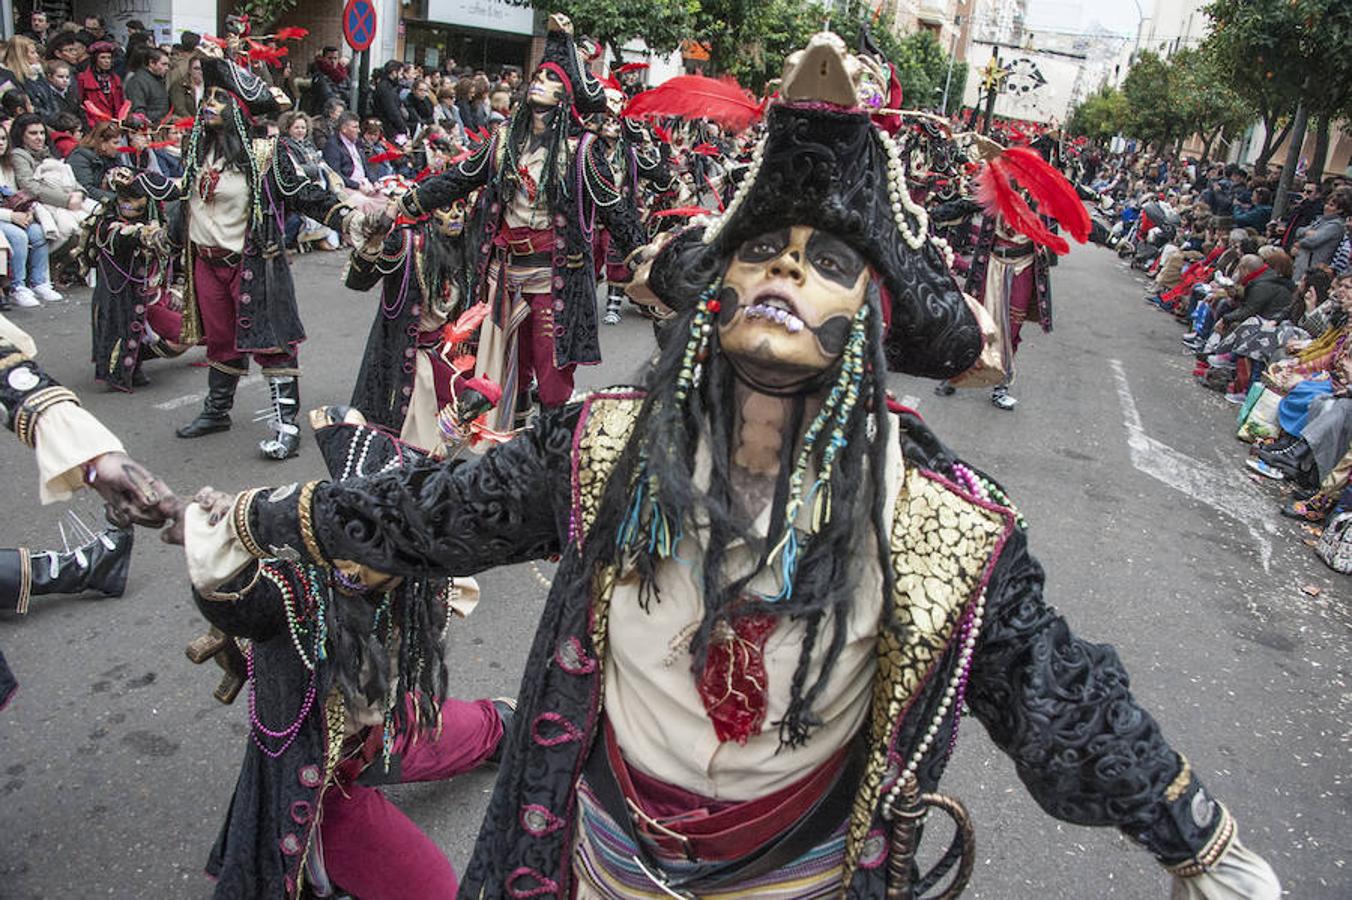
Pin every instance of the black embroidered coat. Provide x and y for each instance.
(1058, 705)
(267, 320)
(385, 380)
(587, 198)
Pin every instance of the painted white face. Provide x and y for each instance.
(546, 89)
(789, 298)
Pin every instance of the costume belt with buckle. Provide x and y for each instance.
(526, 246)
(218, 256)
(730, 844)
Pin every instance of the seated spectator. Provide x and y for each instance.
(14, 103)
(21, 63)
(373, 144)
(27, 263)
(303, 232)
(98, 154)
(145, 87)
(500, 106)
(325, 124)
(147, 154)
(66, 131)
(100, 87)
(1259, 214)
(446, 114)
(53, 93)
(1316, 243)
(345, 155)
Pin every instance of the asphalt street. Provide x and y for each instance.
(116, 764)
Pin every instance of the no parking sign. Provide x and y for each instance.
(359, 23)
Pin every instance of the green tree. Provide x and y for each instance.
(1153, 113)
(749, 39)
(1249, 45)
(662, 24)
(1100, 115)
(1204, 100)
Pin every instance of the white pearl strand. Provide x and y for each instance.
(748, 180)
(901, 197)
(950, 693)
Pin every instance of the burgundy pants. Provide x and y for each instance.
(374, 851)
(535, 354)
(217, 291)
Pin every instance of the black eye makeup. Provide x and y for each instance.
(766, 246)
(834, 259)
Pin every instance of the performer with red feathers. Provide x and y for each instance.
(1016, 247)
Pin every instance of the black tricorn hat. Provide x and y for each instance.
(253, 92)
(586, 91)
(823, 163)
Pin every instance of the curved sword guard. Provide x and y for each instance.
(910, 809)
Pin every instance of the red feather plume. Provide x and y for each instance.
(95, 112)
(998, 196)
(631, 67)
(706, 150)
(263, 53)
(291, 33)
(212, 39)
(387, 156)
(680, 211)
(1051, 190)
(124, 110)
(662, 134)
(464, 327)
(182, 124)
(697, 97)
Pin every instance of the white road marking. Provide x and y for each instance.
(190, 399)
(1220, 487)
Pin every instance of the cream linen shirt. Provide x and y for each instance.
(223, 220)
(651, 698)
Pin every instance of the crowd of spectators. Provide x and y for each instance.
(1266, 304)
(77, 104)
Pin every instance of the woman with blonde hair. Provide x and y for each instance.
(22, 61)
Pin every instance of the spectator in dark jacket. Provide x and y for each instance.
(421, 107)
(387, 106)
(66, 47)
(95, 157)
(1258, 215)
(1317, 242)
(54, 92)
(1267, 296)
(1301, 214)
(187, 90)
(344, 154)
(145, 87)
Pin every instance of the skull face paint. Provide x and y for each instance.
(214, 104)
(788, 300)
(546, 89)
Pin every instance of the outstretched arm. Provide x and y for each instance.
(454, 184)
(434, 518)
(1062, 708)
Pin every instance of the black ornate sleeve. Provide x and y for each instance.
(437, 518)
(365, 272)
(247, 605)
(618, 209)
(454, 184)
(297, 193)
(1062, 708)
(26, 392)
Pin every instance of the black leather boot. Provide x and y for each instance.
(215, 414)
(281, 416)
(100, 565)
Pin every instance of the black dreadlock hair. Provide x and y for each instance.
(520, 140)
(667, 433)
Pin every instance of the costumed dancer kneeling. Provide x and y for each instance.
(766, 567)
(134, 314)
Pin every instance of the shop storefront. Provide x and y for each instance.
(483, 34)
